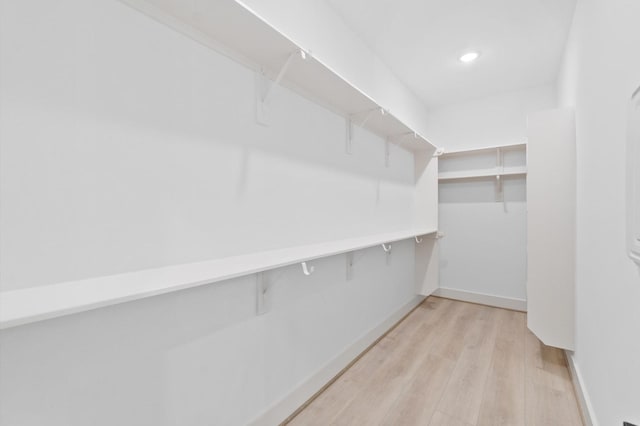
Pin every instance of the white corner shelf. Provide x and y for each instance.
(482, 173)
(34, 304)
(478, 173)
(233, 30)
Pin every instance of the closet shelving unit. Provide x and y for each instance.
(45, 302)
(235, 31)
(478, 173)
(230, 28)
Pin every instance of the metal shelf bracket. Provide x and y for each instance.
(396, 140)
(387, 250)
(352, 119)
(262, 286)
(266, 88)
(307, 270)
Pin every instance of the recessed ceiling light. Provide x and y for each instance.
(469, 57)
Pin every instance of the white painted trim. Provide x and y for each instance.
(284, 408)
(586, 409)
(483, 299)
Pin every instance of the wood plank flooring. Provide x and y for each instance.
(451, 363)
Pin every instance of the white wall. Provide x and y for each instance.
(140, 149)
(200, 356)
(601, 69)
(484, 250)
(496, 120)
(124, 146)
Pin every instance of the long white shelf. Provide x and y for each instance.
(480, 173)
(29, 305)
(232, 29)
(515, 146)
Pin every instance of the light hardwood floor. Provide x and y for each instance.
(451, 363)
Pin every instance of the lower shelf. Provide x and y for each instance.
(482, 173)
(29, 305)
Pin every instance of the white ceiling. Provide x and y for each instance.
(521, 42)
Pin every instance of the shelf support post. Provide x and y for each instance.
(402, 138)
(351, 118)
(397, 139)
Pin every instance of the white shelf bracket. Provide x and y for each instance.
(400, 138)
(266, 88)
(352, 120)
(387, 250)
(366, 115)
(396, 140)
(283, 70)
(349, 266)
(307, 270)
(405, 137)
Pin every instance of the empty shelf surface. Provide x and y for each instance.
(515, 146)
(479, 173)
(24, 306)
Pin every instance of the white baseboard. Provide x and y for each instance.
(284, 408)
(483, 299)
(586, 409)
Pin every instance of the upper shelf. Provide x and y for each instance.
(486, 152)
(508, 147)
(45, 302)
(233, 30)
